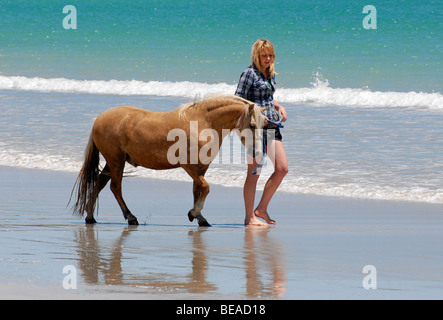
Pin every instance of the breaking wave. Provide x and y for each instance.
(319, 93)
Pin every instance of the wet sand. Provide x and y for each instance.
(317, 250)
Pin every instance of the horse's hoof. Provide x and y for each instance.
(190, 216)
(204, 224)
(133, 222)
(90, 221)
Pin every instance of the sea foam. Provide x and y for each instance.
(319, 93)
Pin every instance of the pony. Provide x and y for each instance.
(143, 138)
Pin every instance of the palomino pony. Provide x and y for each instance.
(142, 138)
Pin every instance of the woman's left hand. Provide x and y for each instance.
(282, 113)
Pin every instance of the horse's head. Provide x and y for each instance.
(251, 129)
(223, 110)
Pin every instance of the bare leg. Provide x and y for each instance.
(277, 153)
(249, 196)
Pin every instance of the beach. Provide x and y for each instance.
(317, 250)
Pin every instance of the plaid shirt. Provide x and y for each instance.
(253, 86)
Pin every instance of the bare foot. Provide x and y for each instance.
(255, 222)
(265, 216)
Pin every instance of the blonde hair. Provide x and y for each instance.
(261, 46)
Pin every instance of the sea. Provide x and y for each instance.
(363, 88)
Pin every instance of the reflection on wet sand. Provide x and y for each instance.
(262, 262)
(258, 248)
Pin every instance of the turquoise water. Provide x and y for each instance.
(209, 41)
(365, 105)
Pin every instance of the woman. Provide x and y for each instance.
(257, 84)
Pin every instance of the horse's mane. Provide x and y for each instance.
(213, 101)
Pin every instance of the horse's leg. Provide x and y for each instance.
(200, 190)
(103, 179)
(116, 188)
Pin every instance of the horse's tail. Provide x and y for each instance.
(87, 181)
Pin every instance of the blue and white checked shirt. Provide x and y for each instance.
(253, 86)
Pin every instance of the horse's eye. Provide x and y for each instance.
(252, 126)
